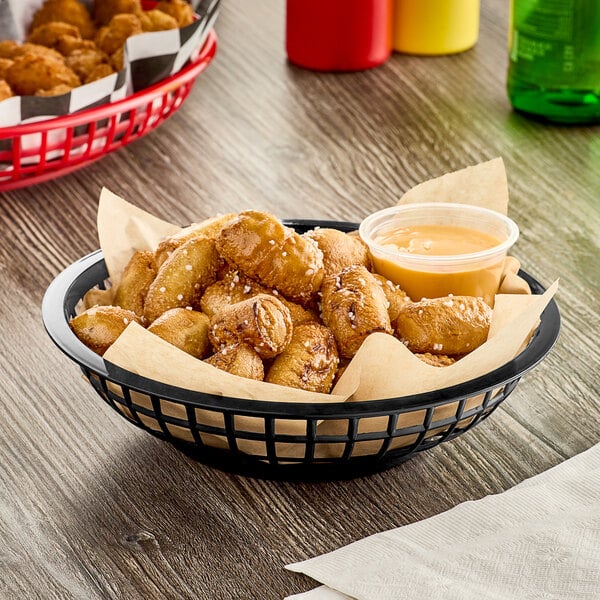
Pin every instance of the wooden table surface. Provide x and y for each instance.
(92, 507)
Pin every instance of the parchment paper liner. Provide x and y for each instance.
(382, 368)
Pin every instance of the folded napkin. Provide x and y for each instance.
(537, 541)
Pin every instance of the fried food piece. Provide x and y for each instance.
(9, 49)
(309, 362)
(5, 91)
(182, 278)
(240, 359)
(263, 322)
(186, 329)
(98, 72)
(32, 72)
(276, 256)
(112, 37)
(68, 44)
(436, 360)
(5, 64)
(180, 10)
(66, 11)
(394, 294)
(209, 228)
(98, 327)
(135, 282)
(448, 325)
(117, 59)
(57, 90)
(156, 20)
(84, 62)
(353, 306)
(49, 34)
(12, 50)
(105, 10)
(236, 287)
(340, 250)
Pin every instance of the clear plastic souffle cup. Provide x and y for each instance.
(424, 272)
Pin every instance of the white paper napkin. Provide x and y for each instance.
(537, 541)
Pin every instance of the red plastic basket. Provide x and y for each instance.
(44, 150)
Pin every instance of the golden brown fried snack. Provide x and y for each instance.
(236, 287)
(209, 228)
(276, 256)
(32, 72)
(449, 325)
(353, 306)
(112, 37)
(180, 10)
(9, 49)
(117, 59)
(98, 72)
(263, 322)
(241, 360)
(309, 362)
(84, 62)
(68, 44)
(182, 279)
(186, 329)
(5, 64)
(100, 326)
(49, 34)
(105, 10)
(57, 90)
(5, 91)
(66, 11)
(394, 294)
(156, 20)
(12, 50)
(340, 250)
(135, 282)
(436, 360)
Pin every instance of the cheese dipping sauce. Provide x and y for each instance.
(436, 249)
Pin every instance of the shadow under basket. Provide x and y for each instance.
(280, 439)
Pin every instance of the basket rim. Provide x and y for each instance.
(61, 295)
(187, 73)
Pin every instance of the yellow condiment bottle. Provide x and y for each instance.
(435, 26)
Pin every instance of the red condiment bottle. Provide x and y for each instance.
(339, 35)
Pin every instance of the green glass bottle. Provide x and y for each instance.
(554, 69)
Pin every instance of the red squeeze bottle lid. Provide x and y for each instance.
(338, 35)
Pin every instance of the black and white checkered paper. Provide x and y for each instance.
(149, 58)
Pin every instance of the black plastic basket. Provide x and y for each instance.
(329, 441)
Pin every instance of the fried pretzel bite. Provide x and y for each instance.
(49, 34)
(5, 91)
(113, 36)
(353, 306)
(394, 294)
(32, 72)
(263, 322)
(276, 256)
(182, 278)
(180, 10)
(240, 360)
(340, 250)
(186, 329)
(156, 20)
(66, 11)
(236, 287)
(309, 362)
(98, 327)
(85, 61)
(209, 228)
(135, 282)
(436, 360)
(105, 10)
(448, 325)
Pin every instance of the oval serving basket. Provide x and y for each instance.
(35, 152)
(245, 436)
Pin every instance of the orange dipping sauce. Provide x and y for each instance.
(433, 279)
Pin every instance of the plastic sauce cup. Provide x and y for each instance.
(433, 275)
